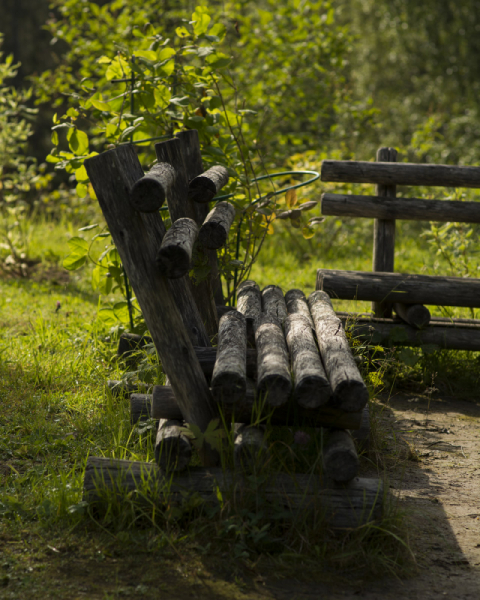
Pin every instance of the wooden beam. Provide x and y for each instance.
(138, 237)
(148, 193)
(384, 173)
(175, 255)
(346, 506)
(206, 186)
(411, 209)
(397, 287)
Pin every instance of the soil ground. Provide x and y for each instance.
(437, 485)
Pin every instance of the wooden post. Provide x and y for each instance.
(384, 235)
(175, 152)
(138, 237)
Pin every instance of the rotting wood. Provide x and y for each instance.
(253, 411)
(416, 315)
(411, 209)
(250, 449)
(385, 173)
(175, 255)
(349, 391)
(273, 302)
(229, 379)
(173, 449)
(311, 388)
(384, 235)
(399, 287)
(206, 186)
(273, 365)
(213, 233)
(177, 152)
(149, 193)
(137, 238)
(346, 506)
(340, 459)
(296, 303)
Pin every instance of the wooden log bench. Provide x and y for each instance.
(406, 295)
(279, 360)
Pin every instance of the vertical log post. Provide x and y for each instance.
(138, 237)
(384, 235)
(175, 153)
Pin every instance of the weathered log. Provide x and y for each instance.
(340, 459)
(140, 407)
(297, 304)
(254, 411)
(207, 185)
(411, 209)
(213, 233)
(208, 356)
(229, 379)
(273, 365)
(173, 449)
(350, 171)
(311, 388)
(249, 303)
(148, 193)
(416, 315)
(349, 390)
(137, 238)
(363, 433)
(444, 335)
(177, 152)
(273, 302)
(131, 342)
(223, 310)
(400, 287)
(384, 235)
(175, 255)
(346, 506)
(250, 450)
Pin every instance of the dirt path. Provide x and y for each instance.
(439, 489)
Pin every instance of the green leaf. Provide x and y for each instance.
(81, 174)
(218, 60)
(77, 141)
(182, 32)
(82, 190)
(73, 262)
(54, 138)
(200, 22)
(78, 245)
(308, 232)
(104, 60)
(88, 227)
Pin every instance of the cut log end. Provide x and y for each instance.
(340, 459)
(313, 391)
(229, 388)
(173, 450)
(148, 194)
(275, 389)
(351, 395)
(173, 262)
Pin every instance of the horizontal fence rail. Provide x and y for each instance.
(411, 209)
(398, 287)
(387, 173)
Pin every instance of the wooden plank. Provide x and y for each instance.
(416, 315)
(175, 255)
(137, 237)
(384, 173)
(312, 388)
(339, 456)
(163, 405)
(349, 390)
(273, 364)
(206, 186)
(410, 209)
(174, 152)
(398, 287)
(214, 230)
(229, 379)
(384, 235)
(346, 506)
(149, 193)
